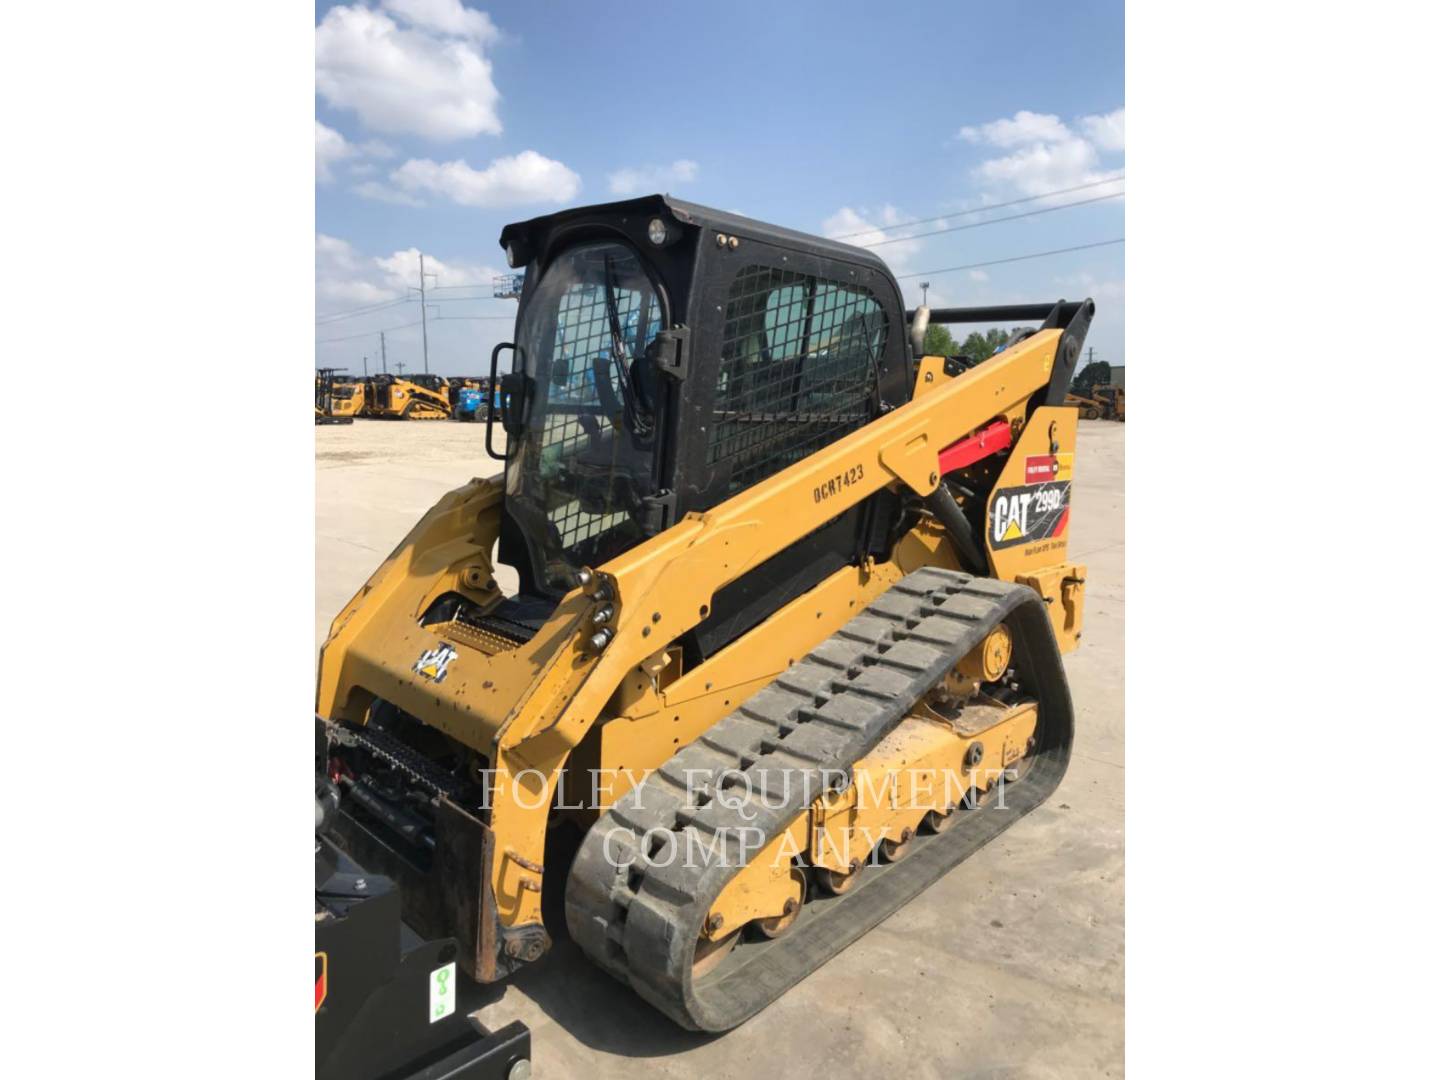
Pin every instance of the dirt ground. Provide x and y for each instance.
(1011, 966)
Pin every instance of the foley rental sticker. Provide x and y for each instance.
(1041, 468)
(1040, 509)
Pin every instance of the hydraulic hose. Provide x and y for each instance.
(947, 511)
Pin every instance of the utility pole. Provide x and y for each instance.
(1090, 356)
(424, 326)
(383, 369)
(400, 367)
(365, 365)
(924, 294)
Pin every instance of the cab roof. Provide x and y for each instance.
(533, 236)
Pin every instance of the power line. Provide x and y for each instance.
(979, 209)
(366, 333)
(994, 221)
(340, 316)
(474, 318)
(376, 306)
(1013, 258)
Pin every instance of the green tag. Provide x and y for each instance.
(442, 992)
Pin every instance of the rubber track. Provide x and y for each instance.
(640, 922)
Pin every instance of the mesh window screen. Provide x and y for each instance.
(582, 335)
(797, 370)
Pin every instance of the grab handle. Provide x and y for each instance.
(494, 393)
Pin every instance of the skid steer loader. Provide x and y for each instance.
(786, 643)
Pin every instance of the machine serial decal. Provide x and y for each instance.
(839, 483)
(1022, 515)
(434, 663)
(322, 979)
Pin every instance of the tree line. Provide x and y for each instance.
(940, 342)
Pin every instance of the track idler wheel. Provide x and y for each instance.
(709, 954)
(779, 925)
(837, 882)
(897, 849)
(936, 822)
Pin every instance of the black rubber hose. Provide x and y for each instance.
(327, 801)
(398, 818)
(947, 511)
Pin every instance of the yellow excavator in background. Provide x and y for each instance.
(786, 645)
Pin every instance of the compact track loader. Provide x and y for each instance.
(420, 397)
(786, 646)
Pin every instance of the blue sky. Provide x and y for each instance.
(438, 123)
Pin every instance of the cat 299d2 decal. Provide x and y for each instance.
(1039, 510)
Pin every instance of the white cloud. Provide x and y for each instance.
(344, 277)
(979, 276)
(374, 189)
(1108, 131)
(430, 78)
(445, 16)
(1043, 167)
(384, 289)
(1024, 127)
(347, 278)
(863, 228)
(332, 148)
(402, 268)
(651, 178)
(527, 177)
(1046, 154)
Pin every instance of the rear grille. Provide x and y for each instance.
(478, 637)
